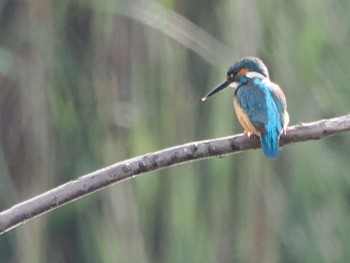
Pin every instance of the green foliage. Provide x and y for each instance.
(87, 83)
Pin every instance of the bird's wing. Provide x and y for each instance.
(281, 103)
(252, 101)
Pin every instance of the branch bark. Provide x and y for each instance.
(127, 169)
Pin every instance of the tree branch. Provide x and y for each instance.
(127, 169)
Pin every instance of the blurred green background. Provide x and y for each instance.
(84, 84)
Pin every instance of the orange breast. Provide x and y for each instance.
(244, 118)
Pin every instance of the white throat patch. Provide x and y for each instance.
(234, 85)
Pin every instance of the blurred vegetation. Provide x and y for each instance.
(85, 84)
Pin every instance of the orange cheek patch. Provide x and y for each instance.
(243, 72)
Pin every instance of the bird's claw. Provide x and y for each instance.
(247, 133)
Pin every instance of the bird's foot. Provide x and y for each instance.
(247, 133)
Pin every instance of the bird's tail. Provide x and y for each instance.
(270, 144)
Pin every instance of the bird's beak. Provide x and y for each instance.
(219, 87)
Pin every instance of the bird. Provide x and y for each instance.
(260, 104)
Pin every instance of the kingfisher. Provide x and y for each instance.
(260, 104)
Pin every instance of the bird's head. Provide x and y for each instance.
(240, 72)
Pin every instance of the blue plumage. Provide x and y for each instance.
(273, 128)
(256, 100)
(260, 104)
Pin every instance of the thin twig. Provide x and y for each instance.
(127, 169)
